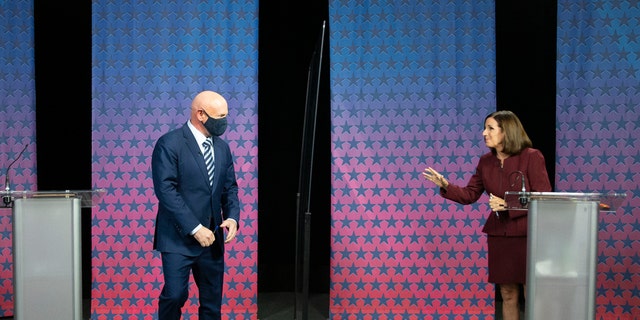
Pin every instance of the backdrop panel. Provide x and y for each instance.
(150, 58)
(17, 123)
(411, 83)
(598, 130)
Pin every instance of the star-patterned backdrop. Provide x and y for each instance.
(17, 123)
(598, 134)
(149, 60)
(411, 83)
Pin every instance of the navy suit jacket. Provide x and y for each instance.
(185, 198)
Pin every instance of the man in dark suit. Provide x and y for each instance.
(197, 200)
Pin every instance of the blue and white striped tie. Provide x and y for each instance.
(208, 158)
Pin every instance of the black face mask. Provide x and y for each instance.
(216, 127)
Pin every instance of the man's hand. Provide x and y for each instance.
(232, 227)
(205, 236)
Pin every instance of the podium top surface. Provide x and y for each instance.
(88, 198)
(517, 200)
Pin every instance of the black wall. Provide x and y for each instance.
(526, 69)
(62, 49)
(525, 35)
(63, 94)
(288, 33)
(525, 59)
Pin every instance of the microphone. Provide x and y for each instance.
(524, 200)
(6, 199)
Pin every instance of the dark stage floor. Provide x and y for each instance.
(280, 306)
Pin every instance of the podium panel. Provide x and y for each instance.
(47, 258)
(562, 248)
(562, 251)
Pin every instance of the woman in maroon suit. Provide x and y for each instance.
(511, 159)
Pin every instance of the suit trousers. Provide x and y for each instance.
(208, 274)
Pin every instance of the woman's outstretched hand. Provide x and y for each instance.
(433, 175)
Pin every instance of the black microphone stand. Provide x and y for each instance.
(524, 200)
(7, 199)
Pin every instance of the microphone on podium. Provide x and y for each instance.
(6, 198)
(523, 199)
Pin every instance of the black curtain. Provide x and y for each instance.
(288, 31)
(526, 42)
(62, 61)
(526, 69)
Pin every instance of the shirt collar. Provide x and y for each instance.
(200, 138)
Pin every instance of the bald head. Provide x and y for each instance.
(207, 104)
(209, 100)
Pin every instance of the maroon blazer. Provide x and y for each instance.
(492, 178)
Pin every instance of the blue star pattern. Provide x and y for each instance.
(410, 88)
(411, 83)
(150, 59)
(598, 132)
(17, 124)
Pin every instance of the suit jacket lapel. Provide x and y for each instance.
(192, 144)
(217, 157)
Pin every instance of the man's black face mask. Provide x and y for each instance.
(216, 127)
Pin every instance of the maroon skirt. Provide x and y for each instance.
(507, 259)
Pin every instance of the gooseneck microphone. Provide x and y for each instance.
(524, 200)
(6, 199)
(523, 197)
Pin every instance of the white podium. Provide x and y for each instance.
(47, 257)
(562, 247)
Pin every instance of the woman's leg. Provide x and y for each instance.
(510, 293)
